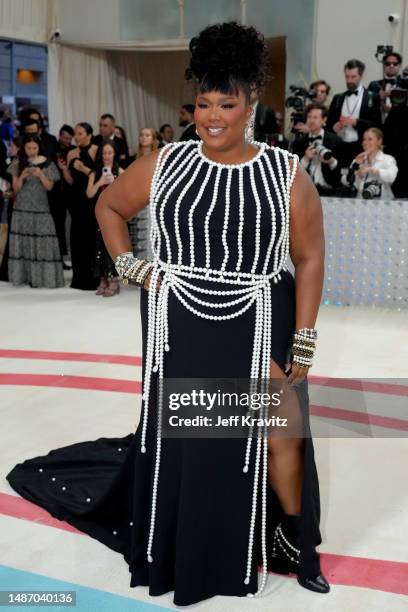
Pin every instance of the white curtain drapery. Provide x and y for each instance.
(142, 89)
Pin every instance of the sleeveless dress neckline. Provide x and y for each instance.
(250, 162)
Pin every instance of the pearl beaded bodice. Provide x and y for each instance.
(229, 218)
(220, 231)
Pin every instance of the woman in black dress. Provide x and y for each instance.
(79, 165)
(107, 169)
(197, 515)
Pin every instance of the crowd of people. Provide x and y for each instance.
(43, 178)
(356, 145)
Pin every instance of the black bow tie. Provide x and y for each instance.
(352, 92)
(313, 138)
(391, 80)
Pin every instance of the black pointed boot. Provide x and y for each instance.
(286, 551)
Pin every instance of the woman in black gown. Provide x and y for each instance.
(107, 169)
(79, 165)
(197, 515)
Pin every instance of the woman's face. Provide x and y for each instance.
(81, 137)
(371, 143)
(108, 155)
(220, 119)
(31, 149)
(145, 137)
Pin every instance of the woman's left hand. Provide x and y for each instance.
(367, 170)
(80, 166)
(36, 172)
(298, 373)
(363, 170)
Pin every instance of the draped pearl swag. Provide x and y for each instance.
(247, 288)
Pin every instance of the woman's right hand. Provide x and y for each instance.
(360, 158)
(25, 173)
(106, 179)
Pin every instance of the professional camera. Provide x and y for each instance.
(349, 190)
(399, 93)
(371, 189)
(297, 101)
(298, 96)
(352, 172)
(322, 151)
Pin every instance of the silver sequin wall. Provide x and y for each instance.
(366, 252)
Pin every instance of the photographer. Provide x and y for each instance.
(317, 92)
(391, 80)
(318, 150)
(374, 171)
(353, 111)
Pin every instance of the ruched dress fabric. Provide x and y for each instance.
(204, 499)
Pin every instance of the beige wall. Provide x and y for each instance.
(25, 19)
(88, 20)
(346, 29)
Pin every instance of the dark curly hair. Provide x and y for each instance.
(226, 57)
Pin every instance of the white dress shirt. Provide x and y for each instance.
(351, 108)
(388, 171)
(315, 167)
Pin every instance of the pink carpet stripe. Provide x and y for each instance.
(359, 385)
(342, 383)
(58, 356)
(18, 507)
(130, 386)
(378, 574)
(358, 417)
(72, 382)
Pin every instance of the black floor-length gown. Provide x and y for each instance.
(104, 487)
(83, 226)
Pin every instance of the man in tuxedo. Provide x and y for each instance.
(34, 125)
(392, 63)
(186, 121)
(62, 192)
(324, 169)
(107, 132)
(352, 112)
(166, 134)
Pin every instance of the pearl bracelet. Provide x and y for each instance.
(304, 346)
(132, 269)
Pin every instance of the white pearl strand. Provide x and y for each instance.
(257, 218)
(241, 216)
(162, 182)
(207, 220)
(256, 287)
(226, 219)
(169, 191)
(191, 213)
(177, 210)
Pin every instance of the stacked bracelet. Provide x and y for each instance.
(304, 346)
(132, 269)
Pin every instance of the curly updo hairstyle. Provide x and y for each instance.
(226, 57)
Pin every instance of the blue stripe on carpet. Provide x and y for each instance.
(87, 599)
